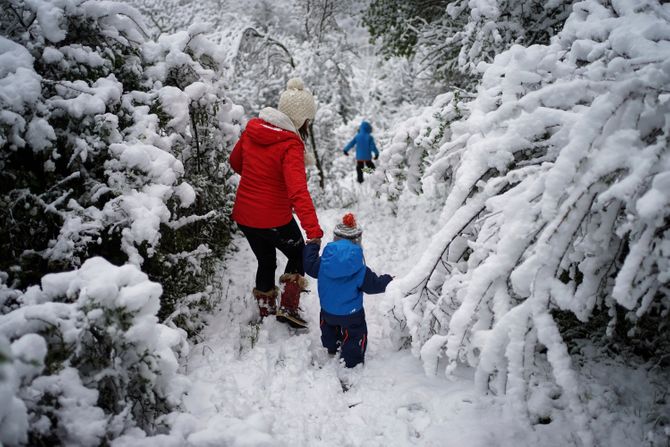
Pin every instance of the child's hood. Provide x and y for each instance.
(365, 127)
(341, 259)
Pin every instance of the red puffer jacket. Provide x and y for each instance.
(273, 184)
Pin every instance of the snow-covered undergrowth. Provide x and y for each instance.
(84, 357)
(555, 211)
(271, 386)
(267, 385)
(111, 145)
(409, 149)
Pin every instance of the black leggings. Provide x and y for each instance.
(360, 164)
(265, 241)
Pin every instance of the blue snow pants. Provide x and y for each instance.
(349, 332)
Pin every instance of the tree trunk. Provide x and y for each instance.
(316, 155)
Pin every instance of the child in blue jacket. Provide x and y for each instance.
(343, 278)
(365, 147)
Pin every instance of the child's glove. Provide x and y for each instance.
(345, 153)
(376, 156)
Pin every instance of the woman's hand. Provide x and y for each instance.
(316, 241)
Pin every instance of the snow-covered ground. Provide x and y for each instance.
(269, 385)
(273, 386)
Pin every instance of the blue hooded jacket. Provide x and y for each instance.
(343, 276)
(365, 143)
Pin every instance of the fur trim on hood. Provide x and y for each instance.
(277, 118)
(281, 120)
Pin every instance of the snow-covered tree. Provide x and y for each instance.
(98, 131)
(412, 146)
(448, 39)
(557, 212)
(99, 128)
(171, 16)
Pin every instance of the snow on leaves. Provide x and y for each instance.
(95, 162)
(109, 358)
(554, 202)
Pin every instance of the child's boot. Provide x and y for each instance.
(267, 302)
(289, 311)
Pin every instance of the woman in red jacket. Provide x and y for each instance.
(269, 157)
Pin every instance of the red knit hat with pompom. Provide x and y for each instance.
(348, 229)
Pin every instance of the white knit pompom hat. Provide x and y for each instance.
(297, 103)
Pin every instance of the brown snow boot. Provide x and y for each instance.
(288, 311)
(267, 302)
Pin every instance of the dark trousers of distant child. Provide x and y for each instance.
(360, 165)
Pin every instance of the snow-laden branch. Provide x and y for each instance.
(552, 187)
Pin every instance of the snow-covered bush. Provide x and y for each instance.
(412, 145)
(88, 358)
(99, 127)
(13, 413)
(63, 115)
(202, 125)
(112, 146)
(557, 211)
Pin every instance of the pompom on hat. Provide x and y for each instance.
(348, 229)
(297, 103)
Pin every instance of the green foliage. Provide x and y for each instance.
(641, 340)
(63, 203)
(90, 345)
(396, 25)
(186, 260)
(36, 184)
(448, 39)
(117, 149)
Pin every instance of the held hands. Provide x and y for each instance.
(316, 240)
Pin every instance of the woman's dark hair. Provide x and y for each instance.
(304, 131)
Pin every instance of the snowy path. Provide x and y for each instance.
(276, 387)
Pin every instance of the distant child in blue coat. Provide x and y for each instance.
(343, 278)
(365, 147)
